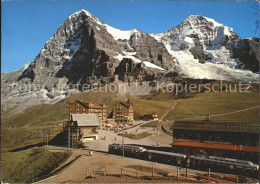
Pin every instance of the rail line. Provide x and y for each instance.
(166, 131)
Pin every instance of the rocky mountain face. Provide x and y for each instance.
(84, 50)
(248, 52)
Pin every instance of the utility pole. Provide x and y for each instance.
(49, 134)
(47, 138)
(72, 137)
(186, 171)
(123, 142)
(187, 164)
(158, 123)
(40, 137)
(209, 175)
(152, 171)
(69, 137)
(173, 140)
(44, 138)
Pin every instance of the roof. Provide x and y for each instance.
(217, 146)
(222, 126)
(90, 104)
(126, 104)
(86, 119)
(166, 153)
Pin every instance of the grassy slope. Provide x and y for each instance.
(195, 104)
(30, 165)
(10, 161)
(18, 137)
(152, 124)
(216, 103)
(142, 106)
(250, 115)
(136, 136)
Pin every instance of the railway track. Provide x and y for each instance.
(163, 126)
(165, 130)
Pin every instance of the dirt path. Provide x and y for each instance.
(235, 111)
(162, 124)
(166, 113)
(226, 113)
(199, 117)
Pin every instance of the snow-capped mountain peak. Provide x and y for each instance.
(193, 30)
(199, 19)
(116, 33)
(199, 39)
(88, 14)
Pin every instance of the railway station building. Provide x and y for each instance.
(240, 152)
(83, 127)
(231, 132)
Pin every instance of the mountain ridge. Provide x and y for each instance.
(84, 50)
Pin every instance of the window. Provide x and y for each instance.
(84, 109)
(77, 109)
(77, 105)
(70, 109)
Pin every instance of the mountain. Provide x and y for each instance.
(204, 48)
(84, 50)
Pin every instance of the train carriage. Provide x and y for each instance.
(129, 151)
(183, 160)
(165, 157)
(225, 164)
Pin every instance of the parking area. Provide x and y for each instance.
(106, 137)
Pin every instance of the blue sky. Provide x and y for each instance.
(27, 25)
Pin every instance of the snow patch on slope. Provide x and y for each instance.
(120, 34)
(188, 40)
(26, 66)
(187, 66)
(223, 56)
(148, 64)
(151, 65)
